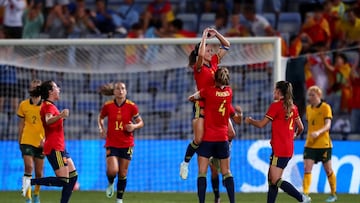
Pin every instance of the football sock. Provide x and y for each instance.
(272, 193)
(50, 181)
(215, 186)
(190, 151)
(121, 185)
(37, 190)
(110, 178)
(201, 185)
(307, 183)
(332, 182)
(28, 192)
(289, 189)
(230, 188)
(68, 188)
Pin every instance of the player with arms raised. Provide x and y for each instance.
(215, 142)
(204, 60)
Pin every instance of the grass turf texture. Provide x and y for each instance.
(132, 197)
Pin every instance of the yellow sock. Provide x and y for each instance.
(306, 183)
(28, 193)
(332, 182)
(37, 190)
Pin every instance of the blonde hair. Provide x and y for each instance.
(316, 90)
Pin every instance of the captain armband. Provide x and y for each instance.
(225, 47)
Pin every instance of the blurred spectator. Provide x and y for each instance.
(33, 20)
(355, 101)
(334, 18)
(127, 15)
(339, 83)
(259, 25)
(315, 70)
(58, 22)
(236, 28)
(13, 24)
(103, 18)
(295, 46)
(81, 24)
(52, 3)
(176, 30)
(131, 51)
(350, 30)
(338, 8)
(316, 28)
(356, 7)
(221, 21)
(158, 12)
(136, 31)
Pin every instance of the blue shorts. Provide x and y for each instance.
(280, 162)
(218, 150)
(124, 153)
(58, 159)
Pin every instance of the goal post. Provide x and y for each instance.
(155, 72)
(158, 80)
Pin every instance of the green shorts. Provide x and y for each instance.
(318, 155)
(30, 150)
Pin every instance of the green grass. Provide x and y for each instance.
(131, 197)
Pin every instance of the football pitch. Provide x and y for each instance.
(132, 197)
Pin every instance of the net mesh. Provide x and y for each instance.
(158, 80)
(155, 73)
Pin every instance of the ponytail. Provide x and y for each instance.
(286, 90)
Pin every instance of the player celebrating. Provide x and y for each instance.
(318, 146)
(204, 61)
(218, 110)
(123, 119)
(54, 146)
(31, 135)
(284, 115)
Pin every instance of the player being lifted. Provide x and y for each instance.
(204, 60)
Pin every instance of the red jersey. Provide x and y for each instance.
(282, 129)
(218, 109)
(54, 133)
(158, 9)
(205, 77)
(119, 116)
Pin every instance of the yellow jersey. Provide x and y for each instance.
(315, 117)
(33, 131)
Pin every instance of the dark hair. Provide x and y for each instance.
(193, 55)
(222, 76)
(343, 56)
(177, 23)
(35, 92)
(285, 89)
(45, 88)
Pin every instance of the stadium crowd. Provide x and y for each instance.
(322, 48)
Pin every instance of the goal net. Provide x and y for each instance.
(155, 72)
